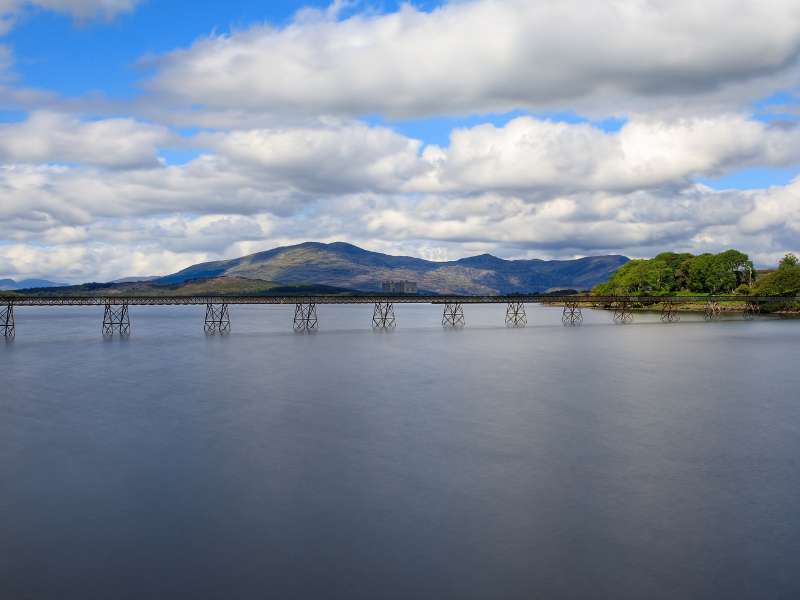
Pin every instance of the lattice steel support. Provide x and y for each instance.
(7, 321)
(218, 319)
(571, 316)
(622, 312)
(383, 316)
(515, 315)
(751, 309)
(305, 317)
(669, 314)
(453, 316)
(713, 311)
(116, 318)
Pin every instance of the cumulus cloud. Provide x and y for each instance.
(487, 55)
(530, 186)
(539, 157)
(53, 137)
(36, 194)
(186, 222)
(543, 155)
(91, 262)
(324, 159)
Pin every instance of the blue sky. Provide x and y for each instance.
(57, 53)
(110, 57)
(137, 137)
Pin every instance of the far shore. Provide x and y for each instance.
(697, 307)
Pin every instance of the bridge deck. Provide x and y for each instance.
(19, 300)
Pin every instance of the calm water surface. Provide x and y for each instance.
(639, 461)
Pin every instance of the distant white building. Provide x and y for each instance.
(399, 287)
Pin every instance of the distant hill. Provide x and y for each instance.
(346, 266)
(135, 279)
(10, 284)
(219, 286)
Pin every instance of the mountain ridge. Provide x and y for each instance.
(10, 284)
(345, 265)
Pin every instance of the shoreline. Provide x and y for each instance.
(693, 307)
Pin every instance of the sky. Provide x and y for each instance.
(138, 137)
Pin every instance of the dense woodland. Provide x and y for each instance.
(724, 273)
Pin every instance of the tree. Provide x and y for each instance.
(733, 268)
(789, 261)
(700, 274)
(674, 272)
(783, 282)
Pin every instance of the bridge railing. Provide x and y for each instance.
(56, 300)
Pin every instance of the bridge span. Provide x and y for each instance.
(116, 314)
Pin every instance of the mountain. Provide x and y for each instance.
(346, 266)
(10, 284)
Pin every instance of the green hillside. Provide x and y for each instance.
(346, 266)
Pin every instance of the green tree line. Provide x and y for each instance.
(671, 272)
(724, 273)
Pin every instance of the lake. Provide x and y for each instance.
(618, 461)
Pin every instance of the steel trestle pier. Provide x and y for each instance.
(515, 315)
(453, 316)
(7, 321)
(383, 316)
(669, 314)
(751, 310)
(713, 311)
(622, 312)
(116, 318)
(572, 315)
(305, 317)
(218, 320)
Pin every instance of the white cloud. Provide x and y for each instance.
(10, 10)
(324, 159)
(92, 262)
(530, 154)
(696, 218)
(40, 194)
(53, 137)
(535, 156)
(532, 186)
(487, 55)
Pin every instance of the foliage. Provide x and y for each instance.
(783, 282)
(670, 272)
(788, 261)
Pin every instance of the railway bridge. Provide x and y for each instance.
(117, 309)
